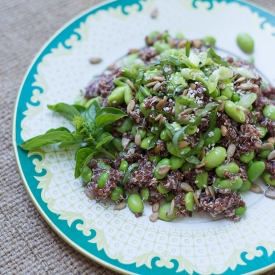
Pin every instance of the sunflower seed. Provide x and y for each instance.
(153, 217)
(271, 140)
(221, 107)
(120, 206)
(155, 207)
(95, 60)
(184, 117)
(240, 79)
(184, 93)
(157, 149)
(192, 86)
(125, 142)
(270, 193)
(138, 138)
(171, 42)
(163, 170)
(267, 146)
(211, 190)
(198, 193)
(154, 13)
(198, 112)
(157, 86)
(187, 111)
(256, 188)
(201, 164)
(183, 144)
(246, 86)
(222, 86)
(186, 187)
(89, 194)
(196, 199)
(207, 192)
(158, 117)
(130, 83)
(111, 67)
(224, 130)
(182, 43)
(157, 78)
(151, 84)
(156, 99)
(230, 150)
(131, 106)
(162, 103)
(171, 209)
(196, 43)
(271, 155)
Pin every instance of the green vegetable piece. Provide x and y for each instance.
(102, 179)
(235, 97)
(144, 192)
(170, 196)
(155, 159)
(86, 174)
(135, 203)
(191, 130)
(262, 131)
(268, 178)
(82, 158)
(126, 126)
(245, 187)
(228, 92)
(231, 167)
(214, 94)
(117, 143)
(209, 40)
(214, 138)
(202, 180)
(164, 162)
(145, 112)
(141, 131)
(161, 46)
(180, 35)
(123, 166)
(162, 189)
(246, 158)
(117, 193)
(189, 201)
(245, 42)
(247, 100)
(233, 111)
(146, 142)
(216, 183)
(163, 212)
(264, 153)
(103, 165)
(176, 162)
(164, 135)
(240, 210)
(186, 166)
(66, 110)
(231, 185)
(269, 112)
(116, 97)
(215, 157)
(255, 170)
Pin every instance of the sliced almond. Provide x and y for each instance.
(155, 207)
(153, 217)
(131, 106)
(161, 103)
(120, 206)
(183, 144)
(256, 188)
(186, 187)
(163, 170)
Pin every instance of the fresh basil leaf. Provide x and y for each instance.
(51, 137)
(193, 160)
(82, 157)
(92, 110)
(58, 129)
(103, 139)
(170, 128)
(211, 53)
(66, 110)
(206, 110)
(153, 142)
(187, 47)
(81, 109)
(128, 172)
(187, 101)
(108, 115)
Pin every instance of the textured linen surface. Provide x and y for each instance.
(27, 244)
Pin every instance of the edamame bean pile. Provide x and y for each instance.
(174, 126)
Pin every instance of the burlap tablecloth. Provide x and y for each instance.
(27, 244)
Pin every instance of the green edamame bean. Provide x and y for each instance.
(245, 42)
(189, 201)
(164, 135)
(255, 170)
(261, 130)
(117, 143)
(214, 138)
(145, 112)
(233, 111)
(116, 97)
(245, 187)
(156, 158)
(123, 166)
(269, 112)
(146, 142)
(247, 100)
(176, 162)
(170, 196)
(144, 192)
(163, 211)
(161, 46)
(215, 157)
(231, 167)
(214, 94)
(246, 158)
(116, 193)
(86, 174)
(267, 178)
(216, 183)
(126, 126)
(227, 92)
(128, 94)
(102, 180)
(240, 210)
(163, 162)
(235, 97)
(173, 151)
(191, 130)
(162, 189)
(231, 185)
(264, 153)
(141, 131)
(186, 166)
(209, 40)
(135, 203)
(202, 180)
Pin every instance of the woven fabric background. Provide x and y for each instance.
(27, 244)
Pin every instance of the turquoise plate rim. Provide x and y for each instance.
(71, 235)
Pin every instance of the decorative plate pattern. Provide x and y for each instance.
(117, 239)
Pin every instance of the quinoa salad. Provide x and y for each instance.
(173, 125)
